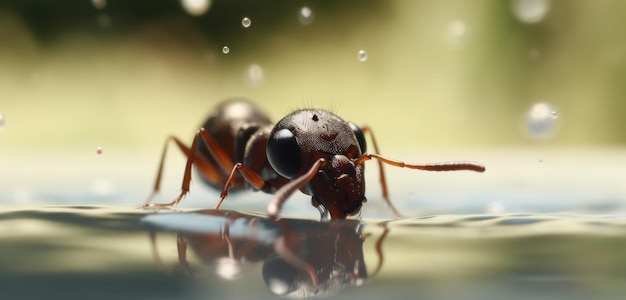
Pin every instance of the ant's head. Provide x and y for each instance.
(306, 136)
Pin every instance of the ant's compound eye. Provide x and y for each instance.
(283, 153)
(360, 137)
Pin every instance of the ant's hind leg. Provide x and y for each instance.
(205, 167)
(209, 171)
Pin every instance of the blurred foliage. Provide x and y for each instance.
(438, 72)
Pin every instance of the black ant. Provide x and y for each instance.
(312, 150)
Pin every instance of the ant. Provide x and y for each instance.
(312, 150)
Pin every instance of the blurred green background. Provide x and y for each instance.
(439, 73)
(530, 88)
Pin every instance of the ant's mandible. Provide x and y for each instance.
(312, 150)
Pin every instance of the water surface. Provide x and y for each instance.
(97, 252)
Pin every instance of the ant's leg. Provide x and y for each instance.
(224, 162)
(252, 243)
(381, 170)
(201, 163)
(284, 192)
(282, 246)
(248, 174)
(181, 245)
(155, 252)
(379, 249)
(225, 234)
(220, 156)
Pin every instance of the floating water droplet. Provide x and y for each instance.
(99, 150)
(458, 32)
(362, 55)
(540, 160)
(2, 122)
(554, 115)
(246, 22)
(196, 7)
(305, 15)
(255, 74)
(225, 50)
(530, 11)
(541, 120)
(99, 4)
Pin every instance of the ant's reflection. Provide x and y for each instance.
(301, 258)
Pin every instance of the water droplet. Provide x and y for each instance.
(225, 50)
(362, 55)
(541, 120)
(458, 32)
(554, 115)
(540, 160)
(2, 121)
(305, 15)
(99, 150)
(99, 4)
(196, 7)
(255, 74)
(246, 22)
(530, 11)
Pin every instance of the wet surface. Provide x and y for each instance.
(110, 252)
